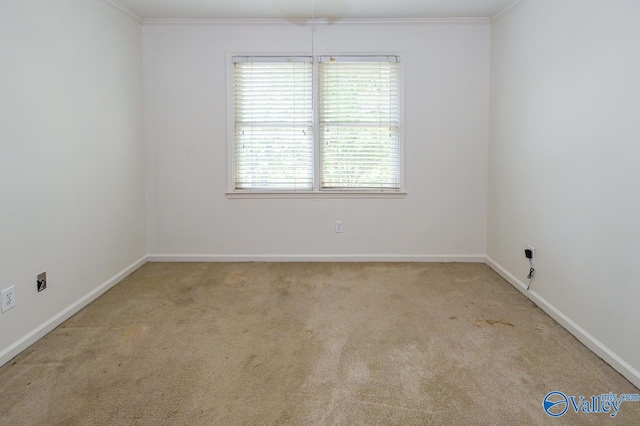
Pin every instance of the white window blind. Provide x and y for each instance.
(273, 123)
(359, 123)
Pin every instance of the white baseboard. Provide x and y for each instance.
(476, 258)
(587, 339)
(41, 331)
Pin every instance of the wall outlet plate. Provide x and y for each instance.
(8, 298)
(533, 254)
(41, 282)
(338, 227)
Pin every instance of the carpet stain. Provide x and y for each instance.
(453, 317)
(493, 322)
(250, 360)
(238, 280)
(132, 332)
(183, 301)
(284, 291)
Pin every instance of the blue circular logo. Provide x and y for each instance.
(555, 404)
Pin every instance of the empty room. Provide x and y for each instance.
(319, 212)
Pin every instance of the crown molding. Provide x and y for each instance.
(505, 10)
(389, 21)
(125, 9)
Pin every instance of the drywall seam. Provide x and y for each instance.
(587, 339)
(21, 344)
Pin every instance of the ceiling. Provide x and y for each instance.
(322, 9)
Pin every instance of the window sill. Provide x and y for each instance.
(315, 194)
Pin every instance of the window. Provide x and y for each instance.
(354, 147)
(358, 106)
(273, 104)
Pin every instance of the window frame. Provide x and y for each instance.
(316, 192)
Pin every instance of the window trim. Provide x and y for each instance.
(316, 192)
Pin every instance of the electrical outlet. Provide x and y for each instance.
(8, 298)
(338, 227)
(41, 281)
(533, 254)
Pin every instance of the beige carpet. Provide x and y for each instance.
(306, 344)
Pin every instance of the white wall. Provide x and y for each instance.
(446, 142)
(72, 199)
(562, 160)
(564, 173)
